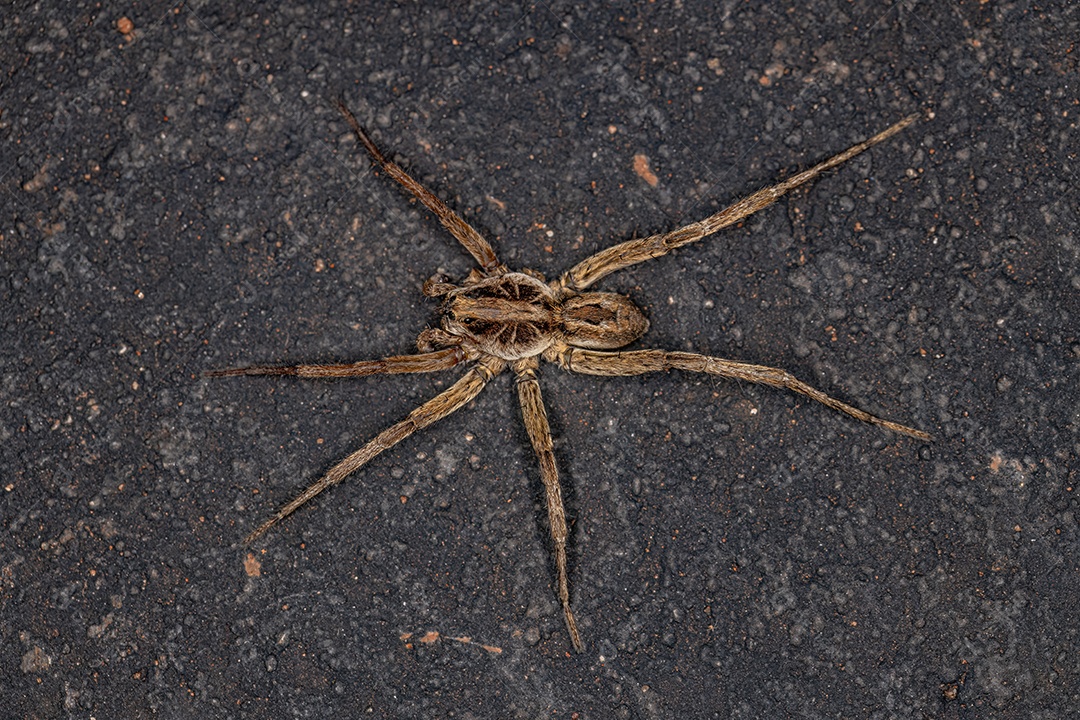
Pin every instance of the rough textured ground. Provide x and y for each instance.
(180, 194)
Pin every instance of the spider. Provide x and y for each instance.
(499, 318)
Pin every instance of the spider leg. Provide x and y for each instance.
(426, 362)
(637, 362)
(536, 424)
(631, 252)
(473, 241)
(435, 409)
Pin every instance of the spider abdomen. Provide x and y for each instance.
(601, 321)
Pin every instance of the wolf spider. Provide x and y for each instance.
(499, 318)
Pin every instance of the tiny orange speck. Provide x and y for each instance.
(641, 167)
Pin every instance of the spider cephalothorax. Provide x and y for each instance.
(498, 318)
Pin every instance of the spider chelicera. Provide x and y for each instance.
(499, 318)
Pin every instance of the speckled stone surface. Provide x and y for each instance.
(179, 194)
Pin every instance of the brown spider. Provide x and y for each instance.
(498, 318)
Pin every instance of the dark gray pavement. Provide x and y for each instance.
(185, 197)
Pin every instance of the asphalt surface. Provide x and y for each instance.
(179, 194)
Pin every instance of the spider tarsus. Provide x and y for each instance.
(251, 370)
(258, 532)
(905, 430)
(889, 132)
(360, 133)
(571, 627)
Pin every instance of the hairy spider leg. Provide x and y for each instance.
(473, 241)
(435, 409)
(638, 362)
(536, 424)
(631, 252)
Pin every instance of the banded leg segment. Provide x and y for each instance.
(536, 424)
(473, 241)
(638, 362)
(440, 406)
(632, 252)
(398, 364)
